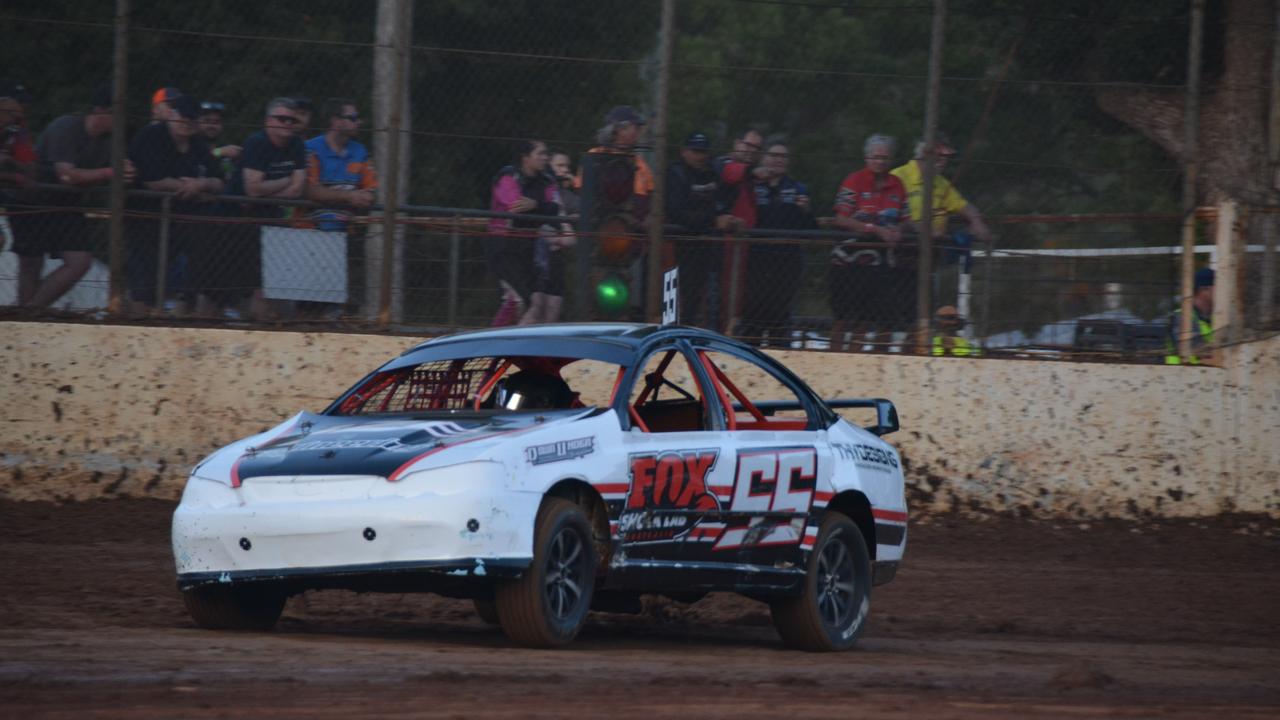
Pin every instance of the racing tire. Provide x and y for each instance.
(223, 607)
(547, 605)
(832, 610)
(487, 610)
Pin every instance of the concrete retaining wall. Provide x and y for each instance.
(93, 411)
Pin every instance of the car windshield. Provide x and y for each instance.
(486, 384)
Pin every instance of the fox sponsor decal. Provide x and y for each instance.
(560, 450)
(660, 483)
(776, 481)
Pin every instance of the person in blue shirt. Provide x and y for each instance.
(340, 174)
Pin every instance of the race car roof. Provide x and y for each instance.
(609, 342)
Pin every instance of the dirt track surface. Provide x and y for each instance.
(1003, 618)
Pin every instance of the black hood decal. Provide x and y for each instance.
(326, 445)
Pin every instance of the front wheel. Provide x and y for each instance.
(832, 611)
(547, 605)
(228, 607)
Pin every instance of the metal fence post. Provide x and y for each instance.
(985, 328)
(925, 271)
(391, 200)
(1190, 155)
(455, 250)
(162, 252)
(657, 210)
(116, 302)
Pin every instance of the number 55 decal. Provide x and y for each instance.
(773, 481)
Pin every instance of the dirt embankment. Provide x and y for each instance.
(1002, 618)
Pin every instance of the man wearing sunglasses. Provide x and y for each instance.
(273, 164)
(339, 172)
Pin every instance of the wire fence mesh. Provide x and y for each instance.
(1062, 229)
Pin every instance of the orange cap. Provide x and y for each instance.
(165, 94)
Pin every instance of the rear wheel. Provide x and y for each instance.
(832, 611)
(548, 604)
(227, 607)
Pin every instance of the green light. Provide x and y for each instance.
(611, 294)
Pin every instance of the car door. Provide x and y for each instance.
(677, 477)
(779, 454)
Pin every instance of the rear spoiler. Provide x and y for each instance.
(886, 413)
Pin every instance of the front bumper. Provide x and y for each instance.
(460, 520)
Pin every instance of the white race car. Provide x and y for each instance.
(543, 471)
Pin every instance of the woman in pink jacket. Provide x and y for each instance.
(522, 187)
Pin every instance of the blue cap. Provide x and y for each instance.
(698, 141)
(1204, 278)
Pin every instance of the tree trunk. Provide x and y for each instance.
(1233, 112)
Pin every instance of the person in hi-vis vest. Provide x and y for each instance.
(947, 340)
(1201, 323)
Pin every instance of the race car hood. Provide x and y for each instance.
(310, 444)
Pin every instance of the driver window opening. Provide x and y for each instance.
(486, 383)
(758, 400)
(666, 396)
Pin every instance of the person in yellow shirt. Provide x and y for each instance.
(948, 341)
(947, 203)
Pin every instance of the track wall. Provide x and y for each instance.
(92, 411)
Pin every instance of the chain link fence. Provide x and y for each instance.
(1062, 231)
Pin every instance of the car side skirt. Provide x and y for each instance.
(458, 577)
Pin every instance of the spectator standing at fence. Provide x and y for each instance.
(273, 165)
(210, 124)
(737, 172)
(691, 203)
(775, 270)
(947, 203)
(340, 175)
(170, 156)
(870, 203)
(162, 103)
(17, 152)
(1201, 322)
(521, 187)
(947, 339)
(74, 151)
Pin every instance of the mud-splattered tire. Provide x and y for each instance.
(226, 607)
(546, 606)
(487, 610)
(832, 611)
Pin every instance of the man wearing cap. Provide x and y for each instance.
(692, 189)
(1201, 323)
(210, 125)
(618, 137)
(171, 156)
(948, 340)
(74, 150)
(947, 202)
(162, 103)
(621, 190)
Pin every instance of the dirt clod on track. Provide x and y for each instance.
(996, 618)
